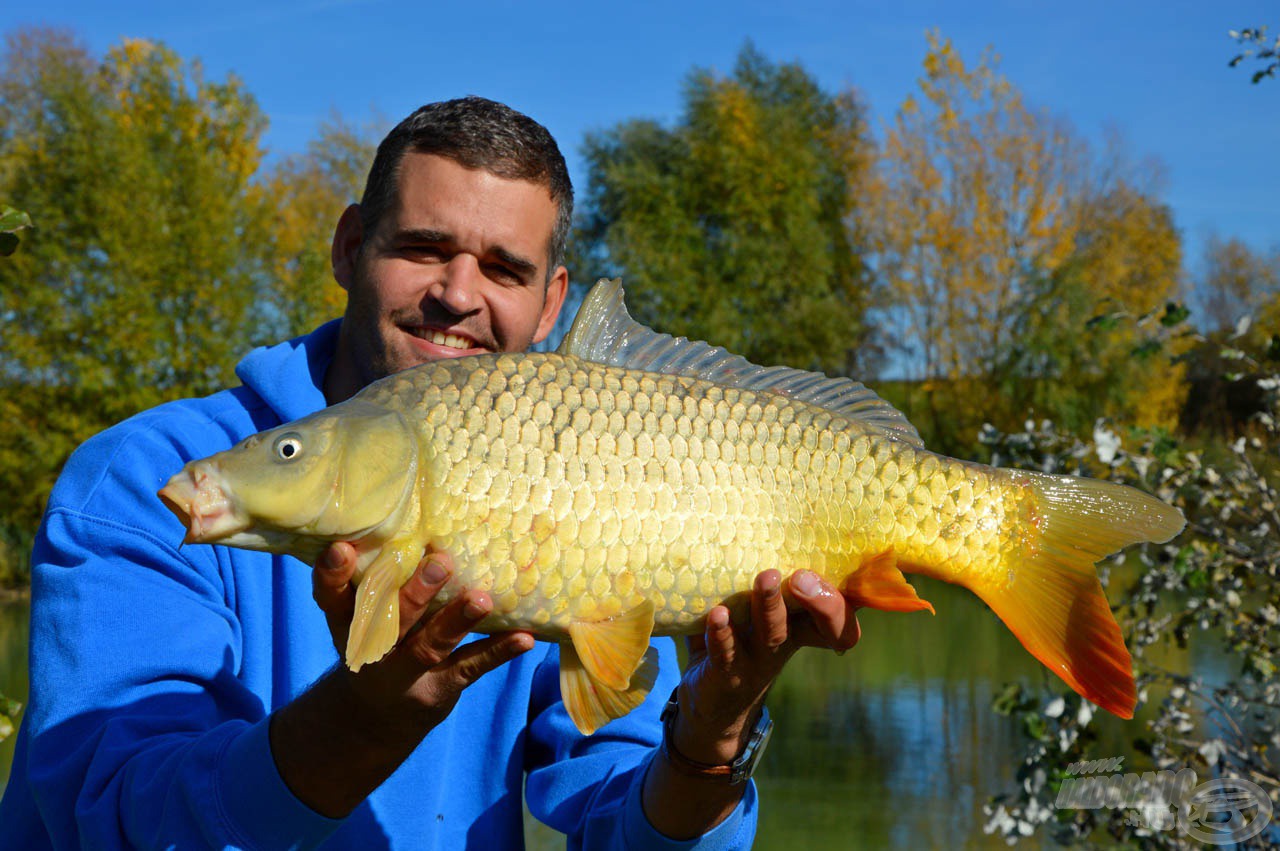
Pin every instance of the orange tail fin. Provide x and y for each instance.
(1053, 601)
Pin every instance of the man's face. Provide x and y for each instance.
(456, 266)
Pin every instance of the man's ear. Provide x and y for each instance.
(556, 289)
(348, 237)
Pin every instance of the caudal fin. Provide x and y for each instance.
(1052, 599)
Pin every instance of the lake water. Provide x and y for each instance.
(892, 745)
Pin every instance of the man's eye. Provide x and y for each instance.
(502, 273)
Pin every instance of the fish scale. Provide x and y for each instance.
(698, 489)
(629, 483)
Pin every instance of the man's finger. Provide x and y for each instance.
(768, 611)
(472, 661)
(443, 630)
(833, 620)
(331, 588)
(416, 594)
(719, 639)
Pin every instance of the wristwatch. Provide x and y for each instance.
(738, 771)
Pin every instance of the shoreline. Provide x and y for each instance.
(14, 595)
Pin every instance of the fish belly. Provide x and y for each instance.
(573, 491)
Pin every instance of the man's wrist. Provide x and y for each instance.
(713, 747)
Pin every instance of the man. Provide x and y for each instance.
(192, 697)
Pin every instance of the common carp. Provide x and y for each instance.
(628, 483)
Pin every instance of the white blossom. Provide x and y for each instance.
(1106, 444)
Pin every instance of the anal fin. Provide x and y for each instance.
(592, 704)
(879, 584)
(611, 650)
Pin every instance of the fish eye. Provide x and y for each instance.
(288, 446)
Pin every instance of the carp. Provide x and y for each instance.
(624, 485)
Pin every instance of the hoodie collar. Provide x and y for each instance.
(289, 376)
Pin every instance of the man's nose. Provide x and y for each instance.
(458, 289)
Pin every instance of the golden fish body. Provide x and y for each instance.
(574, 491)
(598, 503)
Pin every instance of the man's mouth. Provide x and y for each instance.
(440, 338)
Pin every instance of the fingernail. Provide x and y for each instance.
(433, 573)
(473, 610)
(332, 560)
(805, 583)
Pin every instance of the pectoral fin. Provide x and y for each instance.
(611, 650)
(375, 627)
(592, 704)
(879, 584)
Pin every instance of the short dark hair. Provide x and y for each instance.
(475, 132)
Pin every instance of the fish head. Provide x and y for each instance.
(340, 474)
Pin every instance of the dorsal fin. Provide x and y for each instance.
(604, 332)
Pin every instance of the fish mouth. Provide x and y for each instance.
(197, 497)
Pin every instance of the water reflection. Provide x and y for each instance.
(892, 745)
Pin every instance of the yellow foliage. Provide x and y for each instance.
(1159, 397)
(981, 202)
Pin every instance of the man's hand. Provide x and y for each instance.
(370, 721)
(731, 670)
(426, 669)
(732, 667)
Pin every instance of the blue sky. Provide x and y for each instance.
(1154, 71)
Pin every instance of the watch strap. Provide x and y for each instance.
(736, 772)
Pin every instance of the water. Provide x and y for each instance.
(891, 745)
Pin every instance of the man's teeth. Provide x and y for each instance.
(450, 340)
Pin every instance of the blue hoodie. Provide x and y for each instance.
(154, 670)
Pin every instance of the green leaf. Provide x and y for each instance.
(12, 220)
(1034, 725)
(1012, 699)
(1104, 321)
(1273, 348)
(1147, 348)
(1262, 666)
(1174, 314)
(9, 710)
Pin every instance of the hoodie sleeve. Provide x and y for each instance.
(140, 733)
(590, 787)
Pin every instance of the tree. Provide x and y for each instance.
(1214, 586)
(11, 221)
(1253, 42)
(1237, 282)
(307, 191)
(991, 217)
(143, 280)
(94, 298)
(739, 224)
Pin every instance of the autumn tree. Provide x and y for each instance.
(142, 278)
(994, 225)
(306, 192)
(739, 224)
(1236, 282)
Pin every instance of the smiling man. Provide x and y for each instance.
(193, 697)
